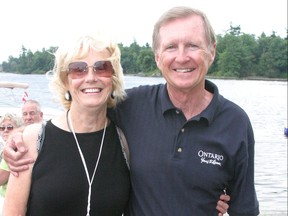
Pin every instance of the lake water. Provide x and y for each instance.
(266, 104)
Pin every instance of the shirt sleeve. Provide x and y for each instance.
(242, 191)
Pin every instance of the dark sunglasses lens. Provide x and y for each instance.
(77, 69)
(77, 66)
(103, 68)
(9, 128)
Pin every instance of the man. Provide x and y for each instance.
(31, 112)
(187, 143)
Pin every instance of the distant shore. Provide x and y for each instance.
(215, 77)
(208, 77)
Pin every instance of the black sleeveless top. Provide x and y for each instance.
(59, 183)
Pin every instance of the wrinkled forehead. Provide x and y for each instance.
(29, 107)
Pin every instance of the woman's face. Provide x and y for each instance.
(7, 126)
(91, 89)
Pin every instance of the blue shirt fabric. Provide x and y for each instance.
(180, 167)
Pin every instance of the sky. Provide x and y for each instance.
(38, 24)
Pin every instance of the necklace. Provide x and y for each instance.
(90, 181)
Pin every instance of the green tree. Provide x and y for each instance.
(229, 59)
(247, 59)
(273, 59)
(43, 61)
(145, 60)
(238, 55)
(235, 55)
(129, 58)
(234, 30)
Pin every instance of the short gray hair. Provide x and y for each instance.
(182, 12)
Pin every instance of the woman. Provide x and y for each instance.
(80, 168)
(8, 122)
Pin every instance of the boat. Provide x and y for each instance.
(12, 85)
(14, 94)
(11, 97)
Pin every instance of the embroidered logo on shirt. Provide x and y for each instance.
(210, 158)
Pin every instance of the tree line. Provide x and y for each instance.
(239, 55)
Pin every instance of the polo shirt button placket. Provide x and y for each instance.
(179, 150)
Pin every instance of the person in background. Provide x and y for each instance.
(163, 181)
(8, 122)
(31, 112)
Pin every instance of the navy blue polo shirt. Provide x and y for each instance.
(180, 167)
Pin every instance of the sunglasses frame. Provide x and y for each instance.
(8, 127)
(79, 69)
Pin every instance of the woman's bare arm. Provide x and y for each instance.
(18, 188)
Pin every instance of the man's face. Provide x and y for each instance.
(183, 55)
(30, 114)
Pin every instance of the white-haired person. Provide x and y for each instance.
(31, 112)
(8, 123)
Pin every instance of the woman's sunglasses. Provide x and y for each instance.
(78, 70)
(8, 127)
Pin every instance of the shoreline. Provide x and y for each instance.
(207, 77)
(216, 77)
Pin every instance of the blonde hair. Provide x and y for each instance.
(182, 12)
(80, 49)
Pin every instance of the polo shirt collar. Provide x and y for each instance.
(208, 113)
(211, 109)
(166, 103)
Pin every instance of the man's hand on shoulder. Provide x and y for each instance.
(14, 151)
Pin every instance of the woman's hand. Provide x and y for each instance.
(222, 205)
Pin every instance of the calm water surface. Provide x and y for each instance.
(266, 104)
